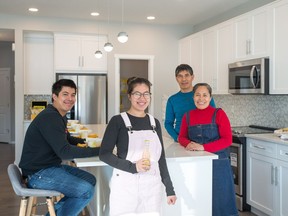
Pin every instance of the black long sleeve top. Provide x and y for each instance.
(116, 134)
(47, 142)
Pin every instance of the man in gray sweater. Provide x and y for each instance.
(47, 143)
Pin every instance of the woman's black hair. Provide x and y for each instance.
(133, 81)
(203, 84)
(58, 85)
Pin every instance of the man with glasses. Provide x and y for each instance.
(181, 102)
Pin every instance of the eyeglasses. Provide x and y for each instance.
(137, 95)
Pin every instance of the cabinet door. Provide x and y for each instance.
(184, 51)
(281, 181)
(88, 48)
(196, 57)
(242, 36)
(210, 57)
(252, 34)
(38, 63)
(68, 52)
(225, 54)
(260, 182)
(278, 68)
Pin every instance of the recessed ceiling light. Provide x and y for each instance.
(95, 14)
(33, 9)
(150, 17)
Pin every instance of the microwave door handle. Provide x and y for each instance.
(258, 76)
(251, 76)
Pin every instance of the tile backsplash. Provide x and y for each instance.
(27, 103)
(243, 110)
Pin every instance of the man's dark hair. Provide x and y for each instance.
(183, 67)
(58, 85)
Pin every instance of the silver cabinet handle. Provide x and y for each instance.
(247, 51)
(276, 176)
(259, 147)
(79, 61)
(272, 175)
(82, 61)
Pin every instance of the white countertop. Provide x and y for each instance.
(268, 137)
(173, 151)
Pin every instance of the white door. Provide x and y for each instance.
(5, 123)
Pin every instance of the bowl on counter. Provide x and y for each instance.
(93, 142)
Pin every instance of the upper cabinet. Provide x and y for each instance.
(278, 59)
(76, 53)
(209, 52)
(225, 51)
(38, 63)
(259, 33)
(252, 34)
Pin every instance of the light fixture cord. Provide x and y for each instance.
(122, 13)
(108, 20)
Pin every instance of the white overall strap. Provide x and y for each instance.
(126, 121)
(152, 121)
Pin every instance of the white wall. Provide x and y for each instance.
(159, 41)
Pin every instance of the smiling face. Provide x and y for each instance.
(202, 97)
(184, 79)
(139, 104)
(65, 100)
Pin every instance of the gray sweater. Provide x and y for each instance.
(48, 142)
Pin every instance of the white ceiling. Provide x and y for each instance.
(167, 12)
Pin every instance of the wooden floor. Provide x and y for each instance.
(9, 202)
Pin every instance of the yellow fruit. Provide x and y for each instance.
(92, 135)
(83, 145)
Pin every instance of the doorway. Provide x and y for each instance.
(127, 66)
(7, 92)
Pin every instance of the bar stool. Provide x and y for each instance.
(28, 194)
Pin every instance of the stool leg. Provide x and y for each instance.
(31, 202)
(23, 206)
(50, 206)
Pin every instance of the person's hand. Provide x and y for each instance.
(171, 200)
(193, 146)
(143, 165)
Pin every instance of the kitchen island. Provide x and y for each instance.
(190, 171)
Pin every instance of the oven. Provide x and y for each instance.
(238, 161)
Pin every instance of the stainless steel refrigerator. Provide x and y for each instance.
(91, 103)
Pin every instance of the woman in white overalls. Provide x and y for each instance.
(139, 165)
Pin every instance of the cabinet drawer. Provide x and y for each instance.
(282, 152)
(262, 147)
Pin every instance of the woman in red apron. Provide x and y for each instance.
(207, 128)
(139, 165)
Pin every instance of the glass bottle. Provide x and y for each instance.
(146, 152)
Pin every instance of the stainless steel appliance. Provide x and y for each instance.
(249, 77)
(91, 104)
(238, 160)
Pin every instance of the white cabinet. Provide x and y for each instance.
(252, 34)
(38, 63)
(278, 59)
(281, 181)
(209, 52)
(196, 56)
(267, 176)
(76, 53)
(209, 73)
(225, 55)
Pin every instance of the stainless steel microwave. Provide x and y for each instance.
(249, 76)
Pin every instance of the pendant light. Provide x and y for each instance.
(98, 53)
(108, 47)
(122, 36)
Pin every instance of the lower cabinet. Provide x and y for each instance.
(267, 177)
